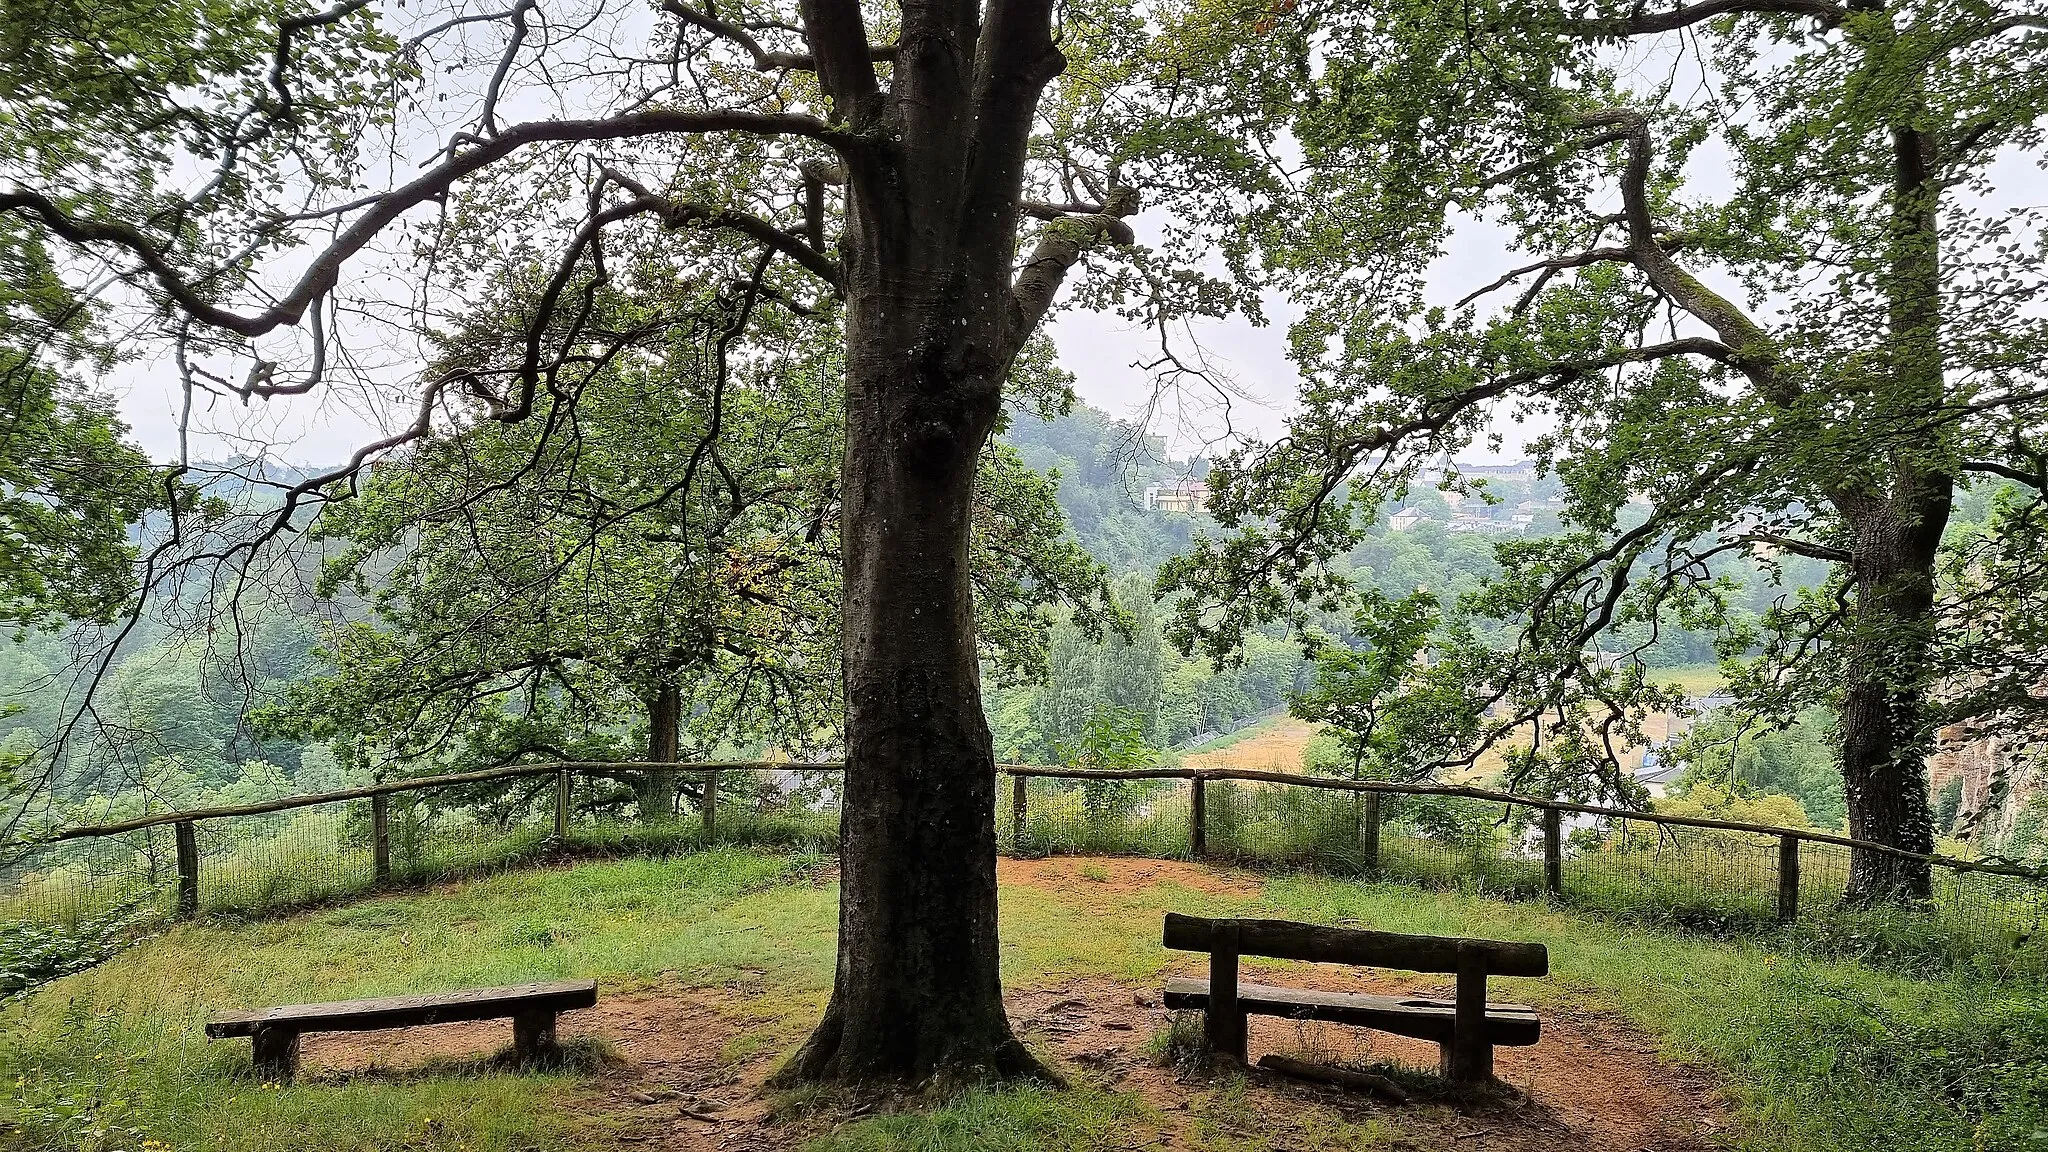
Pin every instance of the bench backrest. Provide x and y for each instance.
(1287, 940)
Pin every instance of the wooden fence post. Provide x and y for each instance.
(562, 805)
(188, 869)
(1788, 878)
(1553, 852)
(380, 838)
(1198, 818)
(1369, 831)
(710, 806)
(1018, 805)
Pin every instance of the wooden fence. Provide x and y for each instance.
(1370, 793)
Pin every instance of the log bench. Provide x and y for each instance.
(1466, 1028)
(532, 1007)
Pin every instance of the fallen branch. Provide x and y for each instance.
(1379, 1086)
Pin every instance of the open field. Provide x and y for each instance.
(1275, 743)
(712, 965)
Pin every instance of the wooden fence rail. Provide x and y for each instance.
(1371, 794)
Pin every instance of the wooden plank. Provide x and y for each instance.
(562, 798)
(1422, 1017)
(408, 1011)
(1198, 818)
(1469, 1056)
(1287, 940)
(1788, 878)
(188, 869)
(1020, 801)
(1553, 852)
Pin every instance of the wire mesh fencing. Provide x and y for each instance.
(63, 902)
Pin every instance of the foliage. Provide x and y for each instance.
(1113, 738)
(1741, 365)
(1797, 761)
(70, 487)
(1708, 801)
(666, 536)
(32, 954)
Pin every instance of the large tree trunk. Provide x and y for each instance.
(1886, 735)
(1895, 525)
(656, 787)
(933, 322)
(918, 995)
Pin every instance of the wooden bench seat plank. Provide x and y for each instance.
(409, 1011)
(1422, 1017)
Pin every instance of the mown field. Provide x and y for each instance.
(713, 964)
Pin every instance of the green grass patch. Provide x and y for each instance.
(1015, 1120)
(1819, 1054)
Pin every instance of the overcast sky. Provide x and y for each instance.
(1101, 351)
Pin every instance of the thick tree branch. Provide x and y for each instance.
(1806, 548)
(1754, 352)
(678, 214)
(1060, 246)
(2035, 480)
(845, 63)
(325, 270)
(1640, 23)
(764, 60)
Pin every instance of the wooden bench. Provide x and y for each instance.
(532, 1007)
(1466, 1028)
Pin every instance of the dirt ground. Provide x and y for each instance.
(1076, 877)
(690, 1063)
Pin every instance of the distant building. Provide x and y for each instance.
(1406, 518)
(1490, 525)
(1184, 497)
(1657, 774)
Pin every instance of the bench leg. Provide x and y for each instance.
(533, 1037)
(1469, 1056)
(1476, 1063)
(1224, 1020)
(277, 1054)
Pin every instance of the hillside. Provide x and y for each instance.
(1103, 467)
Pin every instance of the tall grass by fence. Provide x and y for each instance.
(66, 899)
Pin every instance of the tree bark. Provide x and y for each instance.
(1895, 526)
(1885, 737)
(918, 995)
(933, 322)
(656, 787)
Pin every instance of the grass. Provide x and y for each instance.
(1695, 679)
(1820, 1055)
(1236, 736)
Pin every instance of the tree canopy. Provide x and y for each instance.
(1772, 296)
